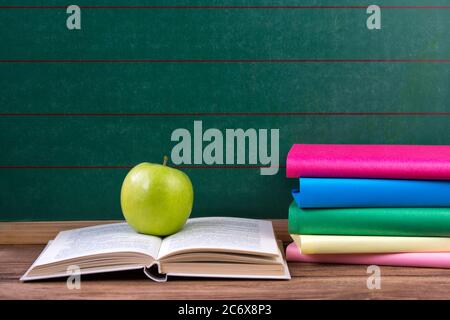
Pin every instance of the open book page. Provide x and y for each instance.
(102, 239)
(223, 234)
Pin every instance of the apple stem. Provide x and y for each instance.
(166, 158)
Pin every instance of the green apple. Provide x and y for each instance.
(156, 199)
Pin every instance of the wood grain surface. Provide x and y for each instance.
(42, 232)
(309, 281)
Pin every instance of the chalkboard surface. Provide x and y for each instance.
(80, 107)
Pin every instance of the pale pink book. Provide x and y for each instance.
(369, 161)
(426, 260)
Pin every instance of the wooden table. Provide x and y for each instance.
(309, 281)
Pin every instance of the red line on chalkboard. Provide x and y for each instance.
(225, 114)
(129, 167)
(199, 7)
(224, 60)
(64, 167)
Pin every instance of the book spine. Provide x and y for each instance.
(430, 260)
(370, 221)
(364, 193)
(369, 161)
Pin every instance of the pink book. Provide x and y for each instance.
(369, 161)
(427, 260)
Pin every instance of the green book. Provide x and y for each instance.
(413, 222)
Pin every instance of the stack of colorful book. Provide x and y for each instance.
(370, 204)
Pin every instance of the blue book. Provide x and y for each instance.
(366, 193)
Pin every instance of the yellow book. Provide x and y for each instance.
(325, 244)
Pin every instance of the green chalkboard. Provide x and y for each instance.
(80, 107)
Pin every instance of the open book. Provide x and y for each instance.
(205, 247)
